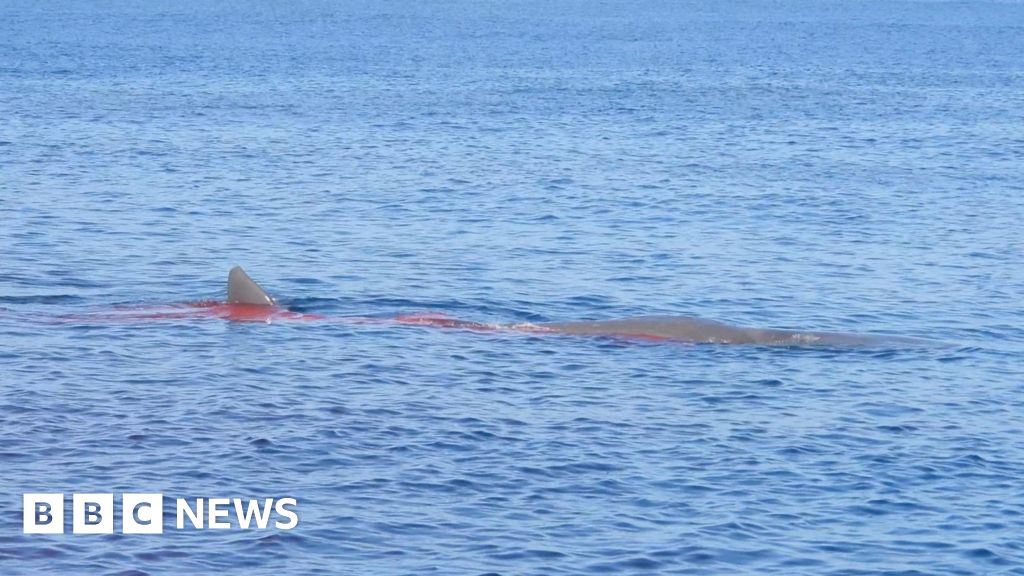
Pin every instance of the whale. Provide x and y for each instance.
(247, 300)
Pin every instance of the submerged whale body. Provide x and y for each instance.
(248, 301)
(701, 331)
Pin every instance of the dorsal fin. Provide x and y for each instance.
(244, 290)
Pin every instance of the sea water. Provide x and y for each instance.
(843, 166)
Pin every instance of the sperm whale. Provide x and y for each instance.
(254, 301)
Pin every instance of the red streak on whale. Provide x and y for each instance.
(198, 311)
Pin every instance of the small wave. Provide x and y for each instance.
(48, 299)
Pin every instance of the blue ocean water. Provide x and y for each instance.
(851, 166)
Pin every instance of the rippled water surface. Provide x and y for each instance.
(823, 165)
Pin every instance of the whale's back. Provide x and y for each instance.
(701, 331)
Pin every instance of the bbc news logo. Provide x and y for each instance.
(93, 513)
